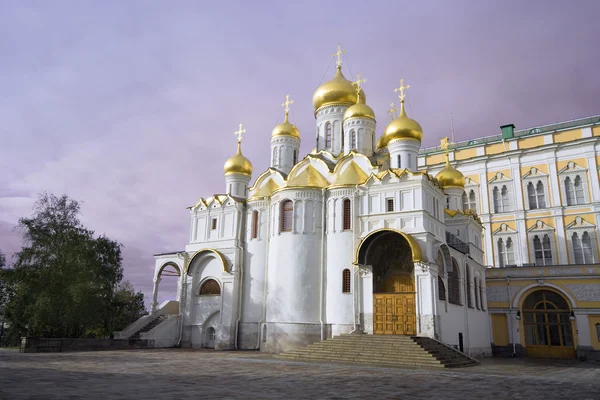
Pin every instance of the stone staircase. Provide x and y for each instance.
(382, 350)
(155, 322)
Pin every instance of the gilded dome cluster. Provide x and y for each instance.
(401, 128)
(339, 90)
(286, 129)
(238, 164)
(450, 177)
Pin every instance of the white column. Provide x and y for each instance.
(483, 192)
(593, 177)
(554, 183)
(515, 172)
(561, 240)
(154, 295)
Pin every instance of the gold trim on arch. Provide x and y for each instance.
(417, 256)
(217, 253)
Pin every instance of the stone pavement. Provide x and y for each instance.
(204, 374)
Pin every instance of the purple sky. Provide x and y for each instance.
(130, 107)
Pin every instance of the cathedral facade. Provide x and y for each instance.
(489, 245)
(352, 238)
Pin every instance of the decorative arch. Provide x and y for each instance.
(169, 264)
(361, 250)
(522, 294)
(213, 252)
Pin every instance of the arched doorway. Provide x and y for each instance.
(210, 338)
(546, 318)
(391, 257)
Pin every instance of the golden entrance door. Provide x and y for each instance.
(547, 325)
(395, 314)
(394, 311)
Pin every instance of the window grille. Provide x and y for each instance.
(441, 289)
(347, 217)
(287, 214)
(390, 205)
(210, 287)
(254, 224)
(213, 224)
(346, 281)
(328, 134)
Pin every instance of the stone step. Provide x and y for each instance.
(382, 350)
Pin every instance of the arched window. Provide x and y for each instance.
(353, 138)
(469, 201)
(469, 296)
(287, 215)
(254, 233)
(347, 215)
(542, 250)
(496, 196)
(210, 287)
(506, 252)
(481, 300)
(574, 190)
(441, 289)
(582, 248)
(505, 200)
(453, 284)
(536, 195)
(477, 291)
(399, 161)
(328, 134)
(295, 157)
(346, 281)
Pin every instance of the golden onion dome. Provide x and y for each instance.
(238, 164)
(401, 128)
(359, 110)
(337, 90)
(450, 177)
(286, 129)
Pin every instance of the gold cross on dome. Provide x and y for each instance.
(286, 104)
(239, 133)
(358, 82)
(401, 89)
(445, 144)
(339, 53)
(392, 111)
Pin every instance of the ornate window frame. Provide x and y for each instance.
(504, 233)
(581, 226)
(499, 182)
(471, 186)
(541, 229)
(572, 170)
(534, 176)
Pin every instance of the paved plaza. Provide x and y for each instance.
(203, 374)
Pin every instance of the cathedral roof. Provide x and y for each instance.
(339, 90)
(352, 175)
(309, 177)
(266, 190)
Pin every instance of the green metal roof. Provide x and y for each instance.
(520, 133)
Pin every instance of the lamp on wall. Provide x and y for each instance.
(518, 315)
(572, 317)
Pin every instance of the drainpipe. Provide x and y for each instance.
(240, 251)
(356, 293)
(321, 298)
(510, 320)
(182, 295)
(268, 239)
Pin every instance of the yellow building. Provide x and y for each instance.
(537, 193)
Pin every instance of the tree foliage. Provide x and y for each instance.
(65, 281)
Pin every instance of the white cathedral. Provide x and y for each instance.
(352, 238)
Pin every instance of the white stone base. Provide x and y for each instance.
(282, 337)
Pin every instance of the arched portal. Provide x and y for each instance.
(391, 257)
(546, 317)
(168, 281)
